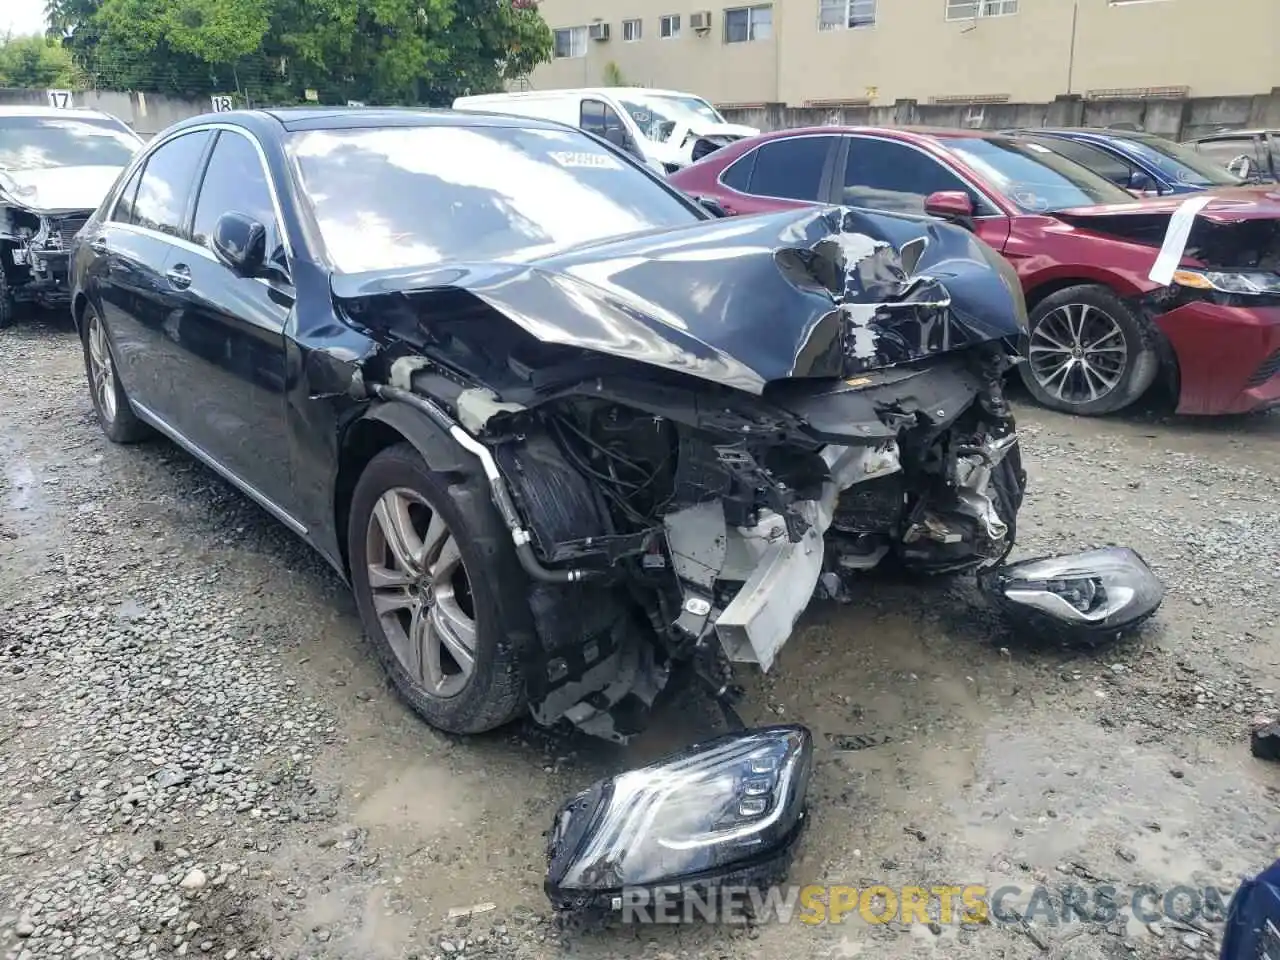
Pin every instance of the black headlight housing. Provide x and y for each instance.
(726, 811)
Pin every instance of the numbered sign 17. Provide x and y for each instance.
(60, 99)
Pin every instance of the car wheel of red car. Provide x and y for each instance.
(1089, 353)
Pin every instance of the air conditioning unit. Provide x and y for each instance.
(700, 22)
(598, 31)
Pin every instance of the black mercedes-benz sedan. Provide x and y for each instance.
(560, 427)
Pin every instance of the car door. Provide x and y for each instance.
(780, 174)
(226, 349)
(896, 177)
(132, 248)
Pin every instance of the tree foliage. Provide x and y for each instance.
(35, 62)
(375, 51)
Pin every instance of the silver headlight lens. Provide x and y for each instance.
(1247, 282)
(712, 808)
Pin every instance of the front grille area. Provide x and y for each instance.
(67, 229)
(1268, 369)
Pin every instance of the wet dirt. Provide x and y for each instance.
(986, 759)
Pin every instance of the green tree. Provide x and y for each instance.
(35, 62)
(377, 51)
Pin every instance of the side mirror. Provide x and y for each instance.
(953, 205)
(1241, 166)
(241, 243)
(713, 207)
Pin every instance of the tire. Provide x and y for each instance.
(8, 305)
(486, 584)
(110, 402)
(1089, 352)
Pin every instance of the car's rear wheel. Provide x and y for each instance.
(1089, 352)
(110, 403)
(440, 592)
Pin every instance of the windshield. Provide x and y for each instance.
(1180, 164)
(1032, 176)
(38, 143)
(413, 196)
(657, 115)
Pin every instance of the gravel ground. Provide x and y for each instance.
(201, 759)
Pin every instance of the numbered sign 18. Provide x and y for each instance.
(355, 103)
(60, 99)
(222, 103)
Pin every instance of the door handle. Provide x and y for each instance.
(98, 245)
(179, 276)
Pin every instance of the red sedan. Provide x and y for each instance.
(1107, 319)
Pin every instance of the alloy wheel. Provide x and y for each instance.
(101, 371)
(1078, 353)
(421, 592)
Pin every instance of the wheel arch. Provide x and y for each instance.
(79, 302)
(385, 425)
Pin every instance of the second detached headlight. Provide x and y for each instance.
(1247, 282)
(717, 808)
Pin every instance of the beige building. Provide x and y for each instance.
(849, 52)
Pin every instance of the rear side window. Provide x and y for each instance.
(738, 176)
(1224, 151)
(166, 184)
(124, 211)
(790, 169)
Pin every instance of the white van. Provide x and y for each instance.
(664, 128)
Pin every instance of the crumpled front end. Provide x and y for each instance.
(688, 439)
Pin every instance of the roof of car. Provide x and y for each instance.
(340, 118)
(577, 91)
(901, 133)
(1252, 132)
(1089, 133)
(22, 110)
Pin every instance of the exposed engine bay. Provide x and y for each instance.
(34, 250)
(685, 509)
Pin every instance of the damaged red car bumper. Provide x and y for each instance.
(1228, 357)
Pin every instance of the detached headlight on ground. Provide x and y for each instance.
(732, 805)
(1096, 592)
(1248, 282)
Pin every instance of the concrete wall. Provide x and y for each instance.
(1178, 119)
(147, 113)
(1223, 48)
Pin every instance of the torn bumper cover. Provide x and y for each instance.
(1091, 595)
(723, 813)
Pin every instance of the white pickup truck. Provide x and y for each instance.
(664, 128)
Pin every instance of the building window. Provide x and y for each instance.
(669, 27)
(570, 42)
(630, 31)
(846, 14)
(971, 9)
(748, 23)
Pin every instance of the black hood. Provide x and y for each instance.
(748, 300)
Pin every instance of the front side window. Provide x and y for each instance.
(790, 169)
(234, 182)
(166, 184)
(601, 119)
(631, 30)
(42, 143)
(1180, 164)
(846, 14)
(569, 43)
(1031, 176)
(1105, 164)
(396, 197)
(669, 27)
(742, 24)
(896, 177)
(972, 9)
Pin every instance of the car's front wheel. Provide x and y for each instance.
(110, 403)
(1089, 353)
(8, 304)
(440, 591)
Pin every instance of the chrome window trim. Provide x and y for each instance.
(154, 146)
(760, 146)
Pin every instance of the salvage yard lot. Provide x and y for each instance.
(200, 757)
